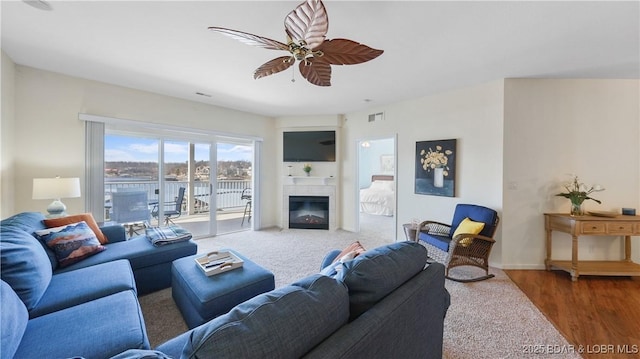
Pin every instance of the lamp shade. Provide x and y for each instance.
(56, 188)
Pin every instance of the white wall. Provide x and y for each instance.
(554, 127)
(6, 136)
(50, 138)
(473, 116)
(319, 169)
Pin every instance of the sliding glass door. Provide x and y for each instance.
(130, 165)
(234, 182)
(191, 191)
(186, 188)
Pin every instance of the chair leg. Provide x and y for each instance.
(477, 279)
(247, 209)
(468, 280)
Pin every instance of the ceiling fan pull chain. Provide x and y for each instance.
(293, 74)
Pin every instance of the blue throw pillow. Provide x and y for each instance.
(13, 320)
(71, 243)
(24, 264)
(376, 273)
(283, 323)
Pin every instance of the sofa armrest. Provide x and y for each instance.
(329, 258)
(114, 233)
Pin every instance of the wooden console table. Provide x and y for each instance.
(625, 226)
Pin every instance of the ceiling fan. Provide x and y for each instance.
(306, 27)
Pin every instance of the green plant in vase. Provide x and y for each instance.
(307, 168)
(578, 192)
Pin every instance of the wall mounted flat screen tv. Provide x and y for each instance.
(309, 146)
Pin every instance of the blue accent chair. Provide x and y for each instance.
(465, 249)
(130, 208)
(174, 209)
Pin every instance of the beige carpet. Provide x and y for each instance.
(489, 319)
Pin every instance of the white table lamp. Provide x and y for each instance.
(55, 189)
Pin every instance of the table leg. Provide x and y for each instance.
(627, 248)
(574, 258)
(547, 260)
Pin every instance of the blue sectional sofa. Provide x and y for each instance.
(89, 308)
(386, 303)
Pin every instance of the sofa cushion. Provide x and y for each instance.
(86, 217)
(140, 253)
(113, 277)
(13, 321)
(440, 242)
(283, 323)
(31, 222)
(26, 221)
(100, 328)
(377, 272)
(475, 213)
(24, 264)
(71, 243)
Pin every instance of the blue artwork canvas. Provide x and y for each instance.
(436, 167)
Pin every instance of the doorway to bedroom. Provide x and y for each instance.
(377, 186)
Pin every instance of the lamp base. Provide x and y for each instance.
(56, 209)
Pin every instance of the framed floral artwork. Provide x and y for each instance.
(436, 168)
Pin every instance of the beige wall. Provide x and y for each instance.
(517, 139)
(555, 127)
(7, 164)
(50, 138)
(473, 116)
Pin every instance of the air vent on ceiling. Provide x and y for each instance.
(375, 117)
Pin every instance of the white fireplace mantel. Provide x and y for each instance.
(308, 180)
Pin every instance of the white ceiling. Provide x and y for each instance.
(430, 47)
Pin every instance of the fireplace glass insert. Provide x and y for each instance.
(309, 212)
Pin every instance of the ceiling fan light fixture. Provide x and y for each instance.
(306, 28)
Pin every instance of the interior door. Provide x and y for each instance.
(376, 156)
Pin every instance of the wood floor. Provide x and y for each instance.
(599, 314)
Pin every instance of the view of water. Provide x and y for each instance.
(227, 195)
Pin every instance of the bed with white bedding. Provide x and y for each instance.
(379, 198)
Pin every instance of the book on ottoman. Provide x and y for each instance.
(214, 263)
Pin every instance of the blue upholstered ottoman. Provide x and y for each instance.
(201, 298)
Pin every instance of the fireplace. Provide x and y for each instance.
(309, 212)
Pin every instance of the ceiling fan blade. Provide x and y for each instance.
(317, 72)
(274, 66)
(250, 39)
(347, 52)
(309, 22)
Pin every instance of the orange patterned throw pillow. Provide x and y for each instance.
(86, 217)
(71, 243)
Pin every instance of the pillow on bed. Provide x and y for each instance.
(381, 185)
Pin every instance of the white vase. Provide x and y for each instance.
(438, 177)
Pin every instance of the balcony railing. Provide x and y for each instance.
(228, 193)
